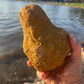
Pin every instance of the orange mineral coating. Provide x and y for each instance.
(44, 44)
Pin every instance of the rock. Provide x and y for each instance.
(44, 44)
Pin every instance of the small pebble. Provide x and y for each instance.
(9, 79)
(15, 73)
(24, 78)
(31, 78)
(11, 74)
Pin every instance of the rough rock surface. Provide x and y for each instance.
(45, 44)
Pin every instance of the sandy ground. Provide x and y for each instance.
(14, 70)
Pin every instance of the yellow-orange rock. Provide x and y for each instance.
(44, 44)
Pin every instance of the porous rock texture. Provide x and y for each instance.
(44, 44)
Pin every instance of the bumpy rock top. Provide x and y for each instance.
(44, 44)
